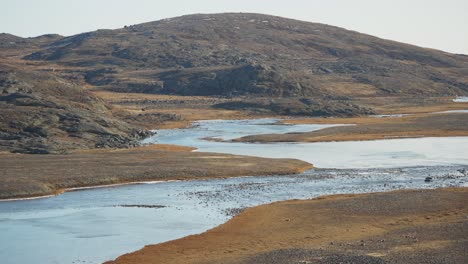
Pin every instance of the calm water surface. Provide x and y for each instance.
(354, 154)
(91, 226)
(461, 99)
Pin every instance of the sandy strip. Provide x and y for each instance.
(28, 198)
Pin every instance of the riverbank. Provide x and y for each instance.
(25, 176)
(142, 109)
(373, 128)
(399, 227)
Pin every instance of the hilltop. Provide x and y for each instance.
(61, 93)
(238, 54)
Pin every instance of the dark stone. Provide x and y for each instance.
(37, 131)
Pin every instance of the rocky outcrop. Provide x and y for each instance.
(43, 114)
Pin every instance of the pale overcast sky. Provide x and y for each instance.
(430, 23)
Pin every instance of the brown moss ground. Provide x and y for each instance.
(193, 108)
(368, 128)
(138, 108)
(410, 104)
(398, 227)
(37, 175)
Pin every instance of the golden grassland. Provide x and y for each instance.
(400, 227)
(24, 175)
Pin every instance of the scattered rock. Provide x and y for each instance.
(140, 206)
(463, 171)
(234, 211)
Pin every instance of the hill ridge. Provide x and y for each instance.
(283, 57)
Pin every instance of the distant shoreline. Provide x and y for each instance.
(366, 128)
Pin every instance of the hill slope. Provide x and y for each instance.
(42, 113)
(264, 64)
(238, 54)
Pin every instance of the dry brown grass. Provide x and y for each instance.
(399, 226)
(165, 147)
(115, 96)
(187, 108)
(368, 128)
(410, 105)
(38, 175)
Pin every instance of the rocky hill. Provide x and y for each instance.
(42, 113)
(257, 55)
(264, 64)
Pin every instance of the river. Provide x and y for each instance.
(95, 225)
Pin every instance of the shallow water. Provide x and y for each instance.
(461, 99)
(91, 226)
(440, 112)
(452, 112)
(390, 115)
(353, 154)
